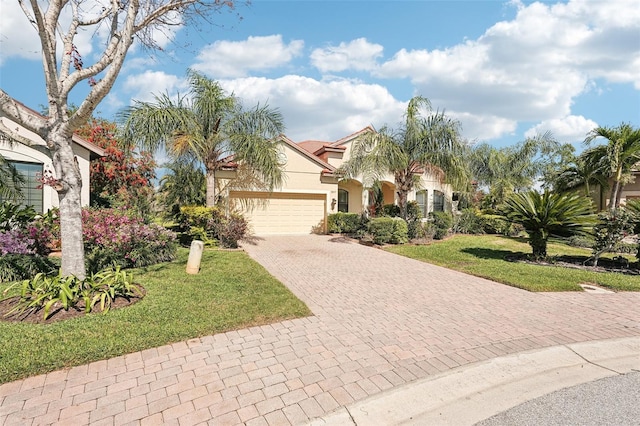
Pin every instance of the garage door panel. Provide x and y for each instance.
(283, 213)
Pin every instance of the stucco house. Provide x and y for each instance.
(29, 153)
(313, 189)
(630, 191)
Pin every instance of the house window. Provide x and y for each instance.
(32, 188)
(438, 201)
(421, 199)
(343, 201)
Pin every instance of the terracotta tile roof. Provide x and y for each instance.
(312, 146)
(307, 154)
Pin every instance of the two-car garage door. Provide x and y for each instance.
(271, 213)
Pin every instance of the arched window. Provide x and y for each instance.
(421, 199)
(343, 201)
(438, 201)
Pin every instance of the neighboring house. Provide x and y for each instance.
(29, 153)
(630, 191)
(313, 189)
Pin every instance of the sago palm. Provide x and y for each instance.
(213, 127)
(547, 214)
(619, 156)
(424, 143)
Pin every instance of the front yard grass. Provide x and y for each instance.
(230, 292)
(484, 256)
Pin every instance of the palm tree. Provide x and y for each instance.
(586, 170)
(184, 184)
(211, 126)
(423, 144)
(549, 214)
(10, 180)
(510, 169)
(619, 156)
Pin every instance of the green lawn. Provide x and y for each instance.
(484, 256)
(230, 292)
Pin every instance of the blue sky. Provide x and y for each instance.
(504, 69)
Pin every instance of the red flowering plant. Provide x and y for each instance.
(121, 178)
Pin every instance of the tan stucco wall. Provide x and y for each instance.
(304, 176)
(356, 195)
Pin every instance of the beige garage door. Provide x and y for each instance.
(282, 212)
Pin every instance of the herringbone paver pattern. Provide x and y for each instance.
(380, 321)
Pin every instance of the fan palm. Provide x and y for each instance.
(549, 214)
(211, 126)
(618, 157)
(430, 144)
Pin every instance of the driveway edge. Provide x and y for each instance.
(466, 395)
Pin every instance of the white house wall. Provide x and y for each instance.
(39, 153)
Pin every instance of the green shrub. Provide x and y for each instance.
(468, 222)
(13, 216)
(495, 224)
(200, 223)
(44, 292)
(14, 267)
(442, 221)
(388, 230)
(390, 210)
(610, 230)
(582, 241)
(343, 223)
(414, 222)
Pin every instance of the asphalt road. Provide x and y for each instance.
(609, 401)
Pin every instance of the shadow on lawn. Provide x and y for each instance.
(486, 253)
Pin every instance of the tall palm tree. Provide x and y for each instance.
(619, 156)
(213, 127)
(423, 144)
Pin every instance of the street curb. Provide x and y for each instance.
(469, 394)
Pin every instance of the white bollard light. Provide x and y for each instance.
(195, 256)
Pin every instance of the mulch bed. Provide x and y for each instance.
(57, 313)
(580, 262)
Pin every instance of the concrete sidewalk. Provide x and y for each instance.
(381, 322)
(467, 395)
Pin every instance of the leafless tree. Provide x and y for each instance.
(58, 23)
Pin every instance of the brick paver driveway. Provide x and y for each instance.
(380, 321)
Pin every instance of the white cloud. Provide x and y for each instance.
(17, 36)
(530, 68)
(228, 59)
(143, 87)
(322, 110)
(357, 54)
(570, 129)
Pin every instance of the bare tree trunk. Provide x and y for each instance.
(614, 195)
(211, 188)
(69, 195)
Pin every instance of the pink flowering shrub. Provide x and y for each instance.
(116, 237)
(15, 242)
